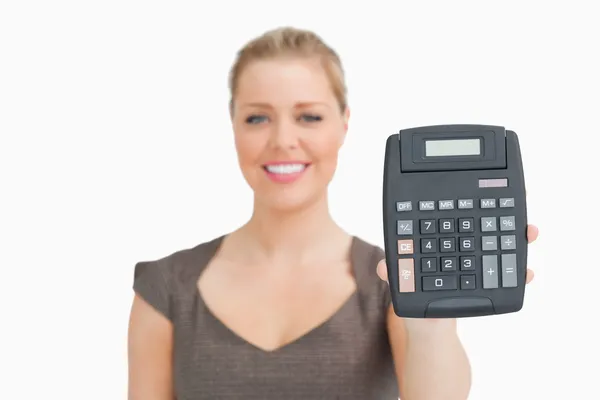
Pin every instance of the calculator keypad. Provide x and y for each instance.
(451, 251)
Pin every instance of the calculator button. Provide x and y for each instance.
(405, 227)
(429, 264)
(467, 244)
(509, 270)
(465, 204)
(507, 223)
(448, 264)
(426, 205)
(467, 282)
(488, 224)
(508, 242)
(488, 203)
(490, 271)
(406, 271)
(449, 282)
(403, 206)
(465, 225)
(427, 226)
(405, 246)
(507, 202)
(489, 243)
(446, 204)
(447, 245)
(428, 246)
(447, 225)
(467, 263)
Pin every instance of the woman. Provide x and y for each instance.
(288, 306)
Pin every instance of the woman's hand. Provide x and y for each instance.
(532, 234)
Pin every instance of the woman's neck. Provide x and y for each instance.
(298, 234)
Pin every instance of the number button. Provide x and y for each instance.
(428, 246)
(448, 264)
(427, 226)
(429, 264)
(447, 225)
(465, 225)
(467, 244)
(447, 245)
(449, 282)
(467, 263)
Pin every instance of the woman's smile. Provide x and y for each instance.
(285, 171)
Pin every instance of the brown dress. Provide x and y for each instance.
(348, 357)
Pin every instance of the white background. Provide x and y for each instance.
(116, 147)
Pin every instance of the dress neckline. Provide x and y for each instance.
(225, 332)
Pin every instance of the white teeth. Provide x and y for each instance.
(286, 168)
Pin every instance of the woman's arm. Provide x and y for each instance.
(150, 343)
(431, 362)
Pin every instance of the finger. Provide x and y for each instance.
(382, 270)
(532, 233)
(530, 275)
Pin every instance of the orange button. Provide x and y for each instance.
(406, 275)
(405, 246)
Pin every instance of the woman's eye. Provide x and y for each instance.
(255, 119)
(311, 118)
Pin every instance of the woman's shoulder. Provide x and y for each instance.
(366, 248)
(159, 280)
(366, 255)
(181, 261)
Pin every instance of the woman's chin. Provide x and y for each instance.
(289, 202)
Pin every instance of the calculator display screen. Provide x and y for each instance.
(493, 183)
(453, 147)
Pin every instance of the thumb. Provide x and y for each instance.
(382, 270)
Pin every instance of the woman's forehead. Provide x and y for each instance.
(298, 80)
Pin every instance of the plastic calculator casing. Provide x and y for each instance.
(457, 268)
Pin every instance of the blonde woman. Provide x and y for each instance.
(288, 306)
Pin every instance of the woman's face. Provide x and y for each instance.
(288, 131)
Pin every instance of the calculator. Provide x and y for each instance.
(455, 221)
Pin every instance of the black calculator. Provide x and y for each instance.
(455, 221)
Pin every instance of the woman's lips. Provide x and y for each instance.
(285, 171)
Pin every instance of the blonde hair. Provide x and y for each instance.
(290, 42)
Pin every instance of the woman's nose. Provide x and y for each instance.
(284, 134)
